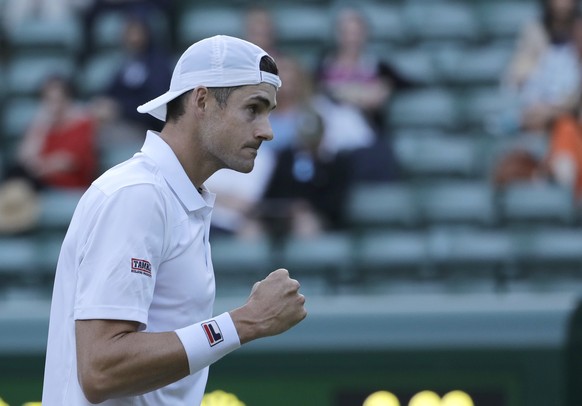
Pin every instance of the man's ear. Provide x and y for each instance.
(200, 99)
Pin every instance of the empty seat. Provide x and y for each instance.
(471, 66)
(441, 20)
(433, 154)
(416, 64)
(233, 257)
(17, 115)
(322, 261)
(481, 106)
(26, 73)
(302, 23)
(57, 208)
(468, 202)
(38, 35)
(201, 22)
(504, 19)
(537, 202)
(551, 245)
(382, 205)
(428, 108)
(17, 255)
(98, 72)
(386, 251)
(470, 249)
(385, 22)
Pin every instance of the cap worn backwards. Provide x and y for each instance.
(219, 61)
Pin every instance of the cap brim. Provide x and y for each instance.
(157, 107)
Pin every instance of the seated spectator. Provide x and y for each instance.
(351, 74)
(564, 158)
(550, 148)
(57, 151)
(144, 73)
(237, 195)
(308, 186)
(260, 30)
(544, 74)
(148, 10)
(292, 97)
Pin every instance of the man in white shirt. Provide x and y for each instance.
(131, 318)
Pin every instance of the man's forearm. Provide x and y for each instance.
(128, 364)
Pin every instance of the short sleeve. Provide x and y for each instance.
(119, 259)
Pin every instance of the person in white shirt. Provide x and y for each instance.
(132, 311)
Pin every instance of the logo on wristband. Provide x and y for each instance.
(212, 332)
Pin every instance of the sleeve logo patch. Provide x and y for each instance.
(213, 333)
(141, 266)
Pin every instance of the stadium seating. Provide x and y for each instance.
(433, 108)
(26, 72)
(442, 218)
(38, 36)
(432, 154)
(539, 202)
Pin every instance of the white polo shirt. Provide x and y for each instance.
(137, 249)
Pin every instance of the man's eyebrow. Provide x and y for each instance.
(264, 101)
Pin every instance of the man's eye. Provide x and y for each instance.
(253, 109)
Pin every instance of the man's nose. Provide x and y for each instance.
(265, 131)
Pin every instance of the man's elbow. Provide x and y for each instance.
(94, 385)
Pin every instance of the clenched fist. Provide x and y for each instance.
(274, 306)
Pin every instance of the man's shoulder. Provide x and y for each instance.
(138, 170)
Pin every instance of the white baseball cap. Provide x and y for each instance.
(219, 61)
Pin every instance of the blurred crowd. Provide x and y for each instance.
(330, 125)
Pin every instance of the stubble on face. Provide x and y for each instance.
(233, 133)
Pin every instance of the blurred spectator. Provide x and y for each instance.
(564, 160)
(306, 192)
(144, 73)
(350, 73)
(57, 151)
(260, 30)
(292, 97)
(148, 10)
(554, 86)
(237, 195)
(544, 74)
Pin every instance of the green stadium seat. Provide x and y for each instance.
(440, 20)
(473, 66)
(382, 205)
(391, 251)
(57, 208)
(98, 72)
(302, 23)
(423, 108)
(17, 255)
(504, 19)
(26, 72)
(201, 22)
(537, 202)
(459, 202)
(479, 105)
(469, 250)
(385, 21)
(63, 36)
(550, 249)
(436, 155)
(416, 64)
(235, 257)
(17, 115)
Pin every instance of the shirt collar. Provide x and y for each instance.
(173, 172)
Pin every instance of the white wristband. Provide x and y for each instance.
(208, 341)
